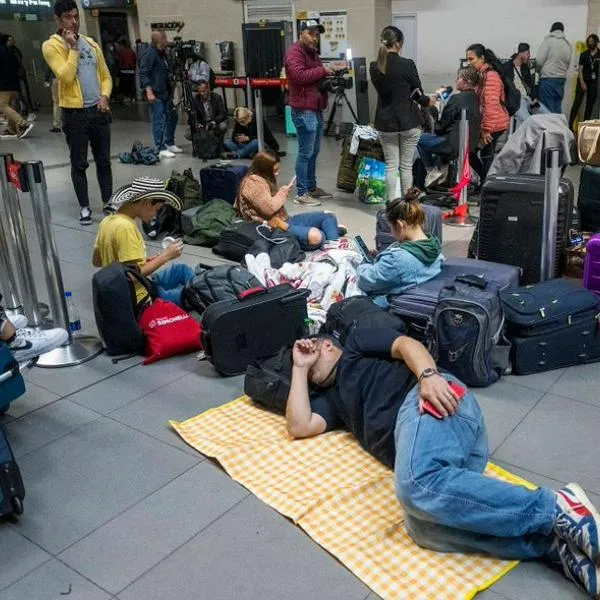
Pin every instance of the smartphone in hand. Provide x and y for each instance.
(292, 182)
(434, 412)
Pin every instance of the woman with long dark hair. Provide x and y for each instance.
(397, 119)
(494, 116)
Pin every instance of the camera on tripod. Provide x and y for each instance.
(183, 50)
(337, 82)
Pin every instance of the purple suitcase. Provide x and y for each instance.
(416, 305)
(591, 266)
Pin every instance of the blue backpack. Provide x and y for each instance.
(11, 381)
(466, 333)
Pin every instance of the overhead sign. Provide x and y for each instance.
(169, 26)
(26, 6)
(90, 4)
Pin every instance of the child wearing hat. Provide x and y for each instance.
(119, 238)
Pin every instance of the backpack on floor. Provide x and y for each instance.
(116, 309)
(12, 490)
(466, 333)
(210, 285)
(359, 311)
(166, 222)
(206, 145)
(268, 380)
(186, 187)
(208, 223)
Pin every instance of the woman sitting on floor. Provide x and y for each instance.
(413, 259)
(244, 138)
(259, 199)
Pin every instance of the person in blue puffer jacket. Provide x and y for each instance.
(413, 259)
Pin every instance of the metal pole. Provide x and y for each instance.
(7, 278)
(78, 349)
(258, 107)
(550, 222)
(462, 218)
(18, 240)
(249, 95)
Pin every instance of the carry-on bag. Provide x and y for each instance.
(383, 231)
(222, 181)
(12, 384)
(588, 200)
(466, 331)
(358, 311)
(416, 305)
(588, 142)
(12, 490)
(591, 264)
(349, 163)
(257, 324)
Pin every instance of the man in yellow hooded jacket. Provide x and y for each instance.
(84, 88)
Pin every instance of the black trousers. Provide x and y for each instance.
(482, 161)
(83, 126)
(591, 95)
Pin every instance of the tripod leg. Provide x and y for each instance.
(331, 117)
(350, 107)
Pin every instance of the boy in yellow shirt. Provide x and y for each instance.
(119, 238)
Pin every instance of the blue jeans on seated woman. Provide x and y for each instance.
(170, 281)
(299, 226)
(449, 504)
(242, 150)
(428, 144)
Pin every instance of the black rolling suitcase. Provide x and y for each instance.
(588, 200)
(222, 181)
(12, 490)
(238, 331)
(510, 223)
(551, 325)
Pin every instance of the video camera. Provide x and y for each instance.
(337, 82)
(184, 50)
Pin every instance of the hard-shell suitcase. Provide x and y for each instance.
(383, 232)
(511, 219)
(12, 384)
(235, 332)
(12, 490)
(591, 265)
(416, 305)
(588, 200)
(221, 181)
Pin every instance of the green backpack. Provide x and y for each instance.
(186, 187)
(209, 221)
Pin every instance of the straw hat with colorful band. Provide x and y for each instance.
(144, 188)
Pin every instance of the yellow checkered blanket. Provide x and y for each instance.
(342, 497)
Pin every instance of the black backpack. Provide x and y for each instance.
(116, 309)
(466, 332)
(206, 145)
(362, 312)
(512, 101)
(210, 285)
(268, 380)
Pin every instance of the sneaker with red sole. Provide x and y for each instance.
(578, 520)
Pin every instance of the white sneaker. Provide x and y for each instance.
(18, 321)
(433, 176)
(23, 131)
(31, 343)
(31, 117)
(166, 154)
(174, 149)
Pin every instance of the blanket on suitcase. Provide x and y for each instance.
(342, 497)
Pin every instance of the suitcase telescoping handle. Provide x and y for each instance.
(13, 371)
(255, 291)
(472, 279)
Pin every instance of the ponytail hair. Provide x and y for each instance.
(488, 56)
(389, 36)
(407, 209)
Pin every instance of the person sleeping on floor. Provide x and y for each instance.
(261, 200)
(427, 426)
(415, 257)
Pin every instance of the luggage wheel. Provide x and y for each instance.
(17, 505)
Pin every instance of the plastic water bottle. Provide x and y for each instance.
(73, 311)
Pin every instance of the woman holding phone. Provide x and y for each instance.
(259, 199)
(398, 118)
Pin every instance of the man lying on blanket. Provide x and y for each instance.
(385, 390)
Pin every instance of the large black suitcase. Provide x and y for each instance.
(416, 305)
(236, 332)
(510, 223)
(588, 200)
(222, 181)
(551, 325)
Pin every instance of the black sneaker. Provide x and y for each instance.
(85, 216)
(107, 209)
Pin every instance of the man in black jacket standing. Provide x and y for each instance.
(155, 79)
(587, 81)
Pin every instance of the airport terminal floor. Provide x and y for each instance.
(119, 507)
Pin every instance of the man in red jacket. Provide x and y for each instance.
(305, 71)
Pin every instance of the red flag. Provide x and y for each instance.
(465, 179)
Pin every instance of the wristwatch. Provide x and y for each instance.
(428, 372)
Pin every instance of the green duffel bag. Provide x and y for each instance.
(208, 223)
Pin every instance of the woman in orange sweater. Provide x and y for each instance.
(492, 97)
(260, 200)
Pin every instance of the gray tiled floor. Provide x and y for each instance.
(117, 506)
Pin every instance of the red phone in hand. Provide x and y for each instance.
(434, 412)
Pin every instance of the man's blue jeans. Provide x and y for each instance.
(428, 144)
(242, 150)
(170, 281)
(309, 127)
(164, 121)
(450, 505)
(551, 92)
(299, 226)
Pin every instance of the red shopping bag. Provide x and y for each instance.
(169, 331)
